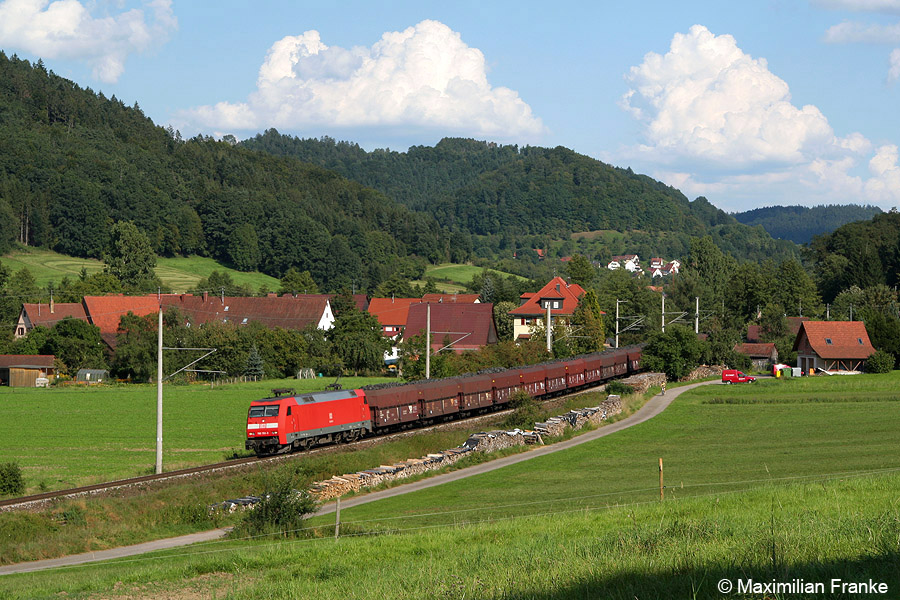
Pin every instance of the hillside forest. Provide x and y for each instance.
(88, 176)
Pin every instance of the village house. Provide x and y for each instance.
(753, 331)
(459, 327)
(833, 346)
(287, 311)
(629, 262)
(560, 297)
(761, 355)
(47, 315)
(105, 312)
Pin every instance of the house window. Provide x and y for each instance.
(828, 341)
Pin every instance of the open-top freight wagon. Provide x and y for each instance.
(294, 422)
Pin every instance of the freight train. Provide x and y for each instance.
(295, 422)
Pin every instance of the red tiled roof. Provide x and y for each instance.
(848, 339)
(287, 311)
(392, 311)
(43, 361)
(361, 300)
(106, 311)
(557, 288)
(753, 333)
(471, 326)
(793, 326)
(39, 314)
(468, 298)
(794, 323)
(763, 350)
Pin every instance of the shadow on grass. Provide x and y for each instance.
(700, 582)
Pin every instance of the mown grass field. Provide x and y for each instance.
(461, 274)
(715, 438)
(69, 436)
(778, 480)
(178, 273)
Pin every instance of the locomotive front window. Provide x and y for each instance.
(265, 410)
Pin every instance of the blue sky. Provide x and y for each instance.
(749, 104)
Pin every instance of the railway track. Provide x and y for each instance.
(38, 500)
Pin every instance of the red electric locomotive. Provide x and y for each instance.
(293, 422)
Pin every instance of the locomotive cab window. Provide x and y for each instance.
(265, 410)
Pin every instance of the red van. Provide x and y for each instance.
(735, 376)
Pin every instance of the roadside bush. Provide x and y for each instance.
(281, 511)
(880, 362)
(11, 481)
(526, 411)
(618, 388)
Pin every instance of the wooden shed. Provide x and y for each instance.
(24, 370)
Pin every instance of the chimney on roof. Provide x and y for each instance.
(52, 306)
(205, 296)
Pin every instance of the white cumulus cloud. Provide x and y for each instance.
(424, 77)
(886, 6)
(894, 69)
(67, 29)
(728, 126)
(706, 99)
(867, 33)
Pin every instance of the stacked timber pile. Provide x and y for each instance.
(704, 372)
(491, 441)
(644, 381)
(576, 419)
(354, 482)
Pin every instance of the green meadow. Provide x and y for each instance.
(67, 436)
(774, 481)
(461, 274)
(180, 274)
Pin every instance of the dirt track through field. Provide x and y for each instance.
(653, 407)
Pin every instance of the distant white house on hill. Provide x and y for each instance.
(629, 262)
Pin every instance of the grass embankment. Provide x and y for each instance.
(679, 549)
(179, 274)
(754, 489)
(68, 436)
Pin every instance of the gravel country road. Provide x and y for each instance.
(653, 407)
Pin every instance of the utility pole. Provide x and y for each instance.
(159, 407)
(549, 330)
(697, 314)
(663, 318)
(428, 340)
(617, 322)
